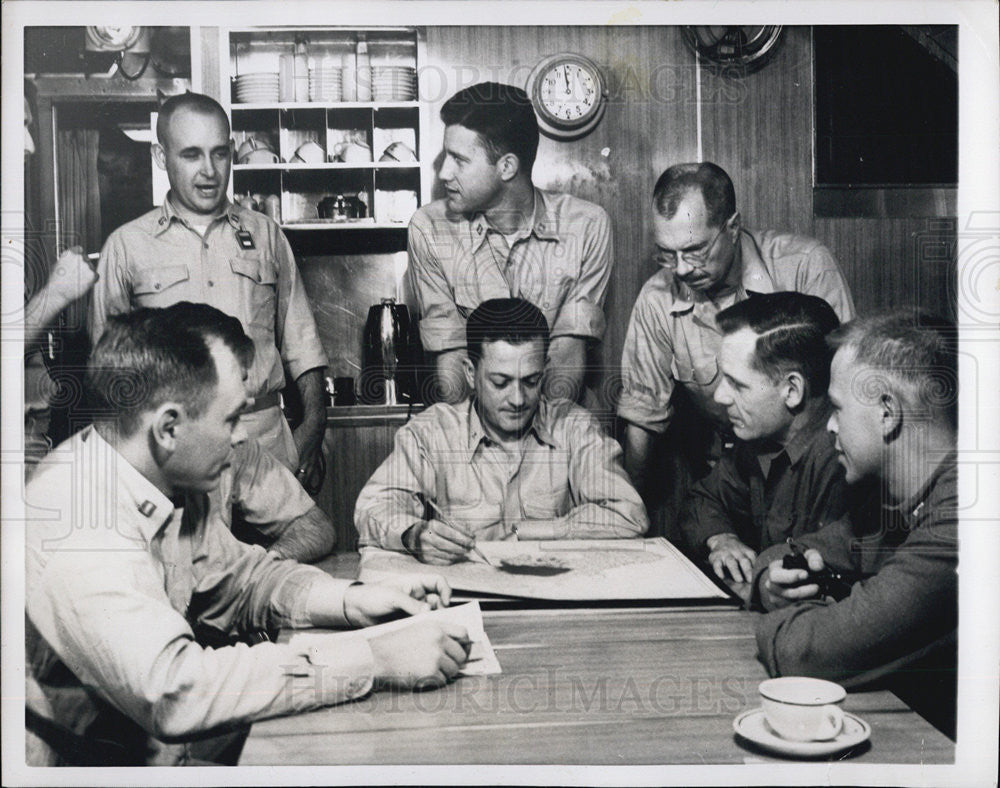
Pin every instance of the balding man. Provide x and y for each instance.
(200, 247)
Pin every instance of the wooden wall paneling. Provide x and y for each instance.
(759, 129)
(353, 452)
(895, 262)
(649, 124)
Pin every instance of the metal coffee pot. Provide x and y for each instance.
(390, 354)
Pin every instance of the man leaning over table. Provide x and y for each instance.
(894, 392)
(134, 593)
(708, 261)
(781, 478)
(504, 463)
(200, 247)
(495, 235)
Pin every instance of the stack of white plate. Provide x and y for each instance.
(326, 83)
(394, 83)
(259, 88)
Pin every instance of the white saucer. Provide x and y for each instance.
(751, 725)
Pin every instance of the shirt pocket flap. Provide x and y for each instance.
(156, 280)
(701, 373)
(254, 269)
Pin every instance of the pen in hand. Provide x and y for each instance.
(446, 521)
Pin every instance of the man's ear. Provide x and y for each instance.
(508, 166)
(160, 155)
(795, 390)
(165, 424)
(890, 415)
(470, 373)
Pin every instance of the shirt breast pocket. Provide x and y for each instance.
(258, 277)
(159, 286)
(692, 373)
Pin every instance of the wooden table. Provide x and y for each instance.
(583, 686)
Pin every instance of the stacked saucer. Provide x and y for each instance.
(326, 83)
(258, 88)
(394, 83)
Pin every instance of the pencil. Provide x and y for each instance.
(446, 521)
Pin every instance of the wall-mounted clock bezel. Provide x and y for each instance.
(550, 123)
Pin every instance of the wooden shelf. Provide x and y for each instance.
(353, 224)
(331, 165)
(328, 105)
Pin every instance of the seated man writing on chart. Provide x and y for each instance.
(505, 463)
(878, 599)
(781, 478)
(137, 598)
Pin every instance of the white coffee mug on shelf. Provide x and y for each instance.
(799, 708)
(309, 153)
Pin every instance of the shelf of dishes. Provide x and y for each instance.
(323, 198)
(319, 135)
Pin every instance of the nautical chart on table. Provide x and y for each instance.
(567, 570)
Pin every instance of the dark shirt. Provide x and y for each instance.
(899, 622)
(766, 493)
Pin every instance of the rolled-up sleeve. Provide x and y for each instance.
(441, 326)
(582, 312)
(295, 328)
(647, 381)
(390, 501)
(112, 291)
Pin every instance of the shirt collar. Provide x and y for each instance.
(754, 278)
(544, 224)
(168, 214)
(910, 508)
(540, 427)
(801, 441)
(134, 491)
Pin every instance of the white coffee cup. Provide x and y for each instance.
(310, 152)
(799, 708)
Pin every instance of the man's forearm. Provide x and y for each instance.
(306, 539)
(310, 386)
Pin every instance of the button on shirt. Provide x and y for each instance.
(568, 471)
(673, 339)
(763, 495)
(159, 259)
(117, 580)
(561, 264)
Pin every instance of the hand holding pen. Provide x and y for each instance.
(442, 536)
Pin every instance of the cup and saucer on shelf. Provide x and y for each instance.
(801, 718)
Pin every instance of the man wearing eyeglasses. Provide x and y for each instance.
(708, 261)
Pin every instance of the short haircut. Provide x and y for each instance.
(151, 356)
(502, 117)
(193, 102)
(709, 179)
(917, 352)
(791, 331)
(512, 320)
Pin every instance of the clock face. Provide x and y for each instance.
(567, 91)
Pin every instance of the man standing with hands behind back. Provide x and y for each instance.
(200, 247)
